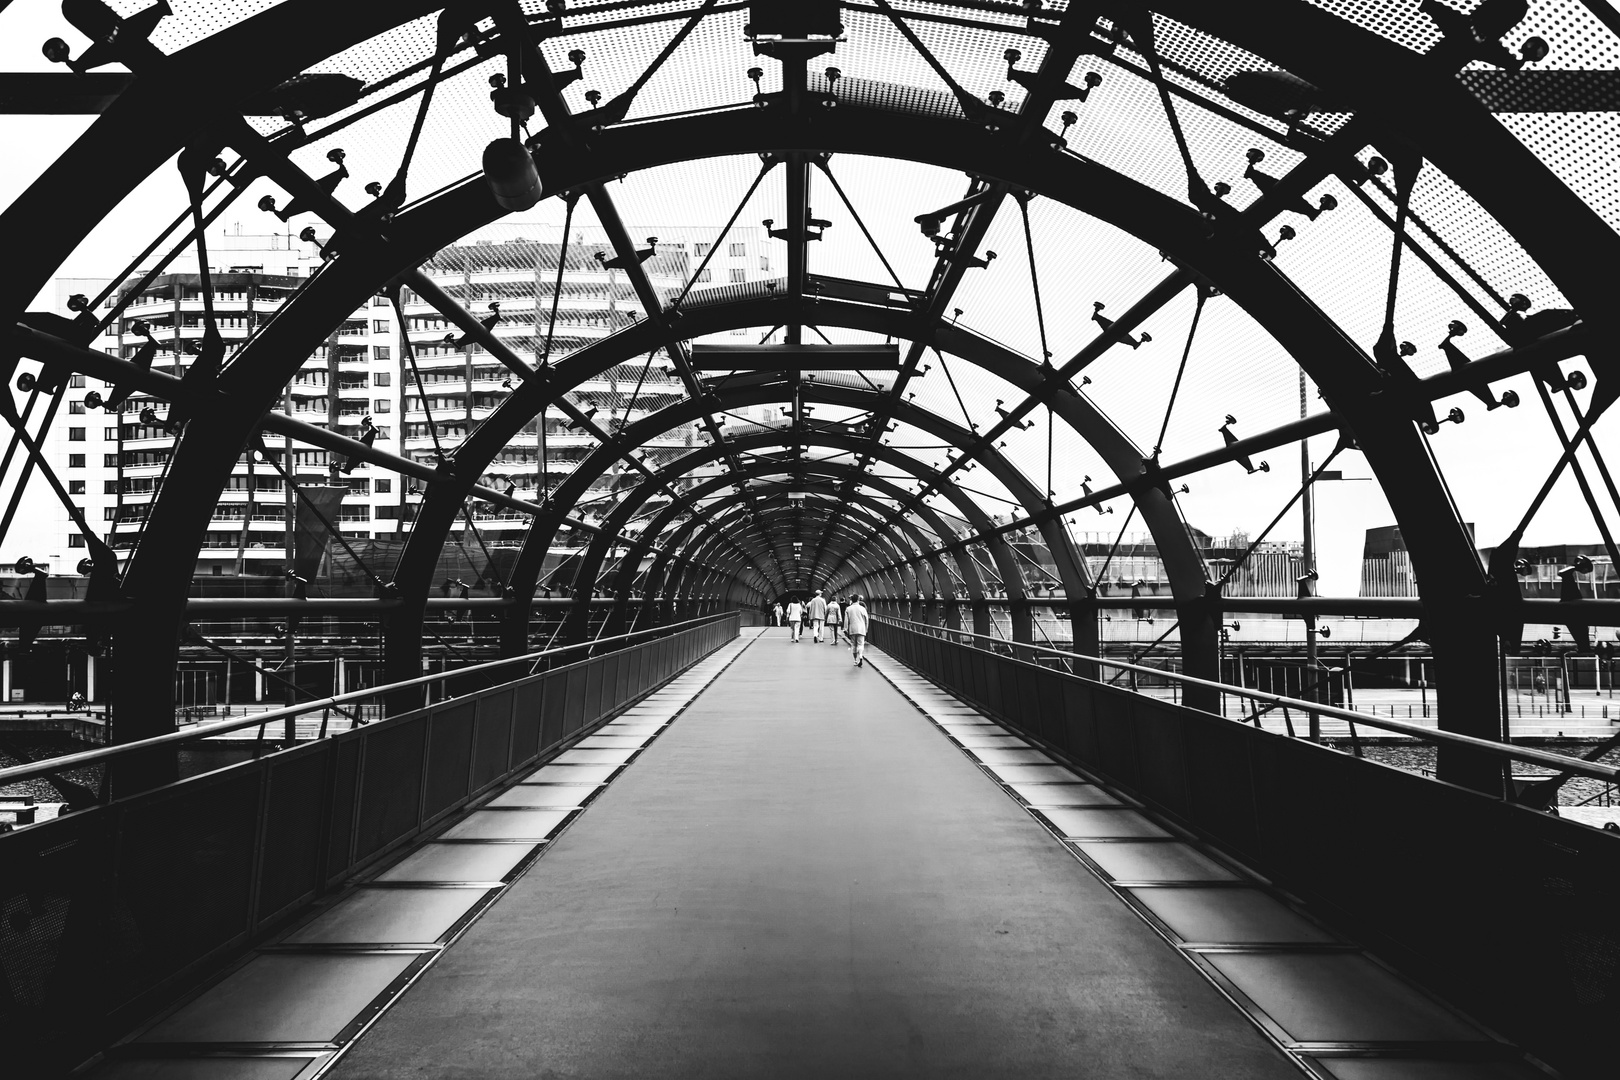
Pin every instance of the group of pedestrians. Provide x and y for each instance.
(826, 616)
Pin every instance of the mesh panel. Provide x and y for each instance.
(390, 789)
(289, 868)
(449, 757)
(494, 737)
(183, 870)
(610, 685)
(526, 713)
(556, 708)
(574, 700)
(344, 786)
(593, 693)
(1161, 752)
(53, 937)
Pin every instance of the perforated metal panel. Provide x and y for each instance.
(527, 710)
(289, 866)
(183, 868)
(494, 738)
(450, 752)
(391, 785)
(345, 788)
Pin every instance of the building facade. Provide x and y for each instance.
(421, 402)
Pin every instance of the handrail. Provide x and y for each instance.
(1504, 750)
(203, 731)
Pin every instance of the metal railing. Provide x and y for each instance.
(286, 716)
(1507, 912)
(112, 910)
(1029, 653)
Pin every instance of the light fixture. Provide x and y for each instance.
(509, 170)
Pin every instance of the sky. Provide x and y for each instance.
(1493, 462)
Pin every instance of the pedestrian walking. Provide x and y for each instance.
(818, 616)
(855, 622)
(795, 617)
(835, 618)
(776, 614)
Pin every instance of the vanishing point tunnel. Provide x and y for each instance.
(435, 515)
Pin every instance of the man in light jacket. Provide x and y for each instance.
(795, 614)
(818, 616)
(855, 621)
(835, 616)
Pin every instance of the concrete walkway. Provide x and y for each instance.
(802, 877)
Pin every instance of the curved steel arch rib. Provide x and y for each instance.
(869, 506)
(1070, 566)
(1005, 560)
(823, 518)
(1468, 142)
(842, 471)
(814, 515)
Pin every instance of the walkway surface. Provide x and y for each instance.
(802, 876)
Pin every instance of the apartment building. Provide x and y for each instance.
(421, 402)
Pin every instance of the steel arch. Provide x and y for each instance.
(1472, 151)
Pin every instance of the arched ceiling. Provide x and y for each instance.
(1073, 240)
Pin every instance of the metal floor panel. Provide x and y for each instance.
(1339, 998)
(1034, 774)
(1101, 823)
(990, 742)
(613, 741)
(283, 998)
(1065, 794)
(595, 757)
(571, 774)
(388, 917)
(1417, 1069)
(549, 796)
(506, 825)
(1012, 757)
(456, 862)
(1232, 916)
(282, 1067)
(1156, 862)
